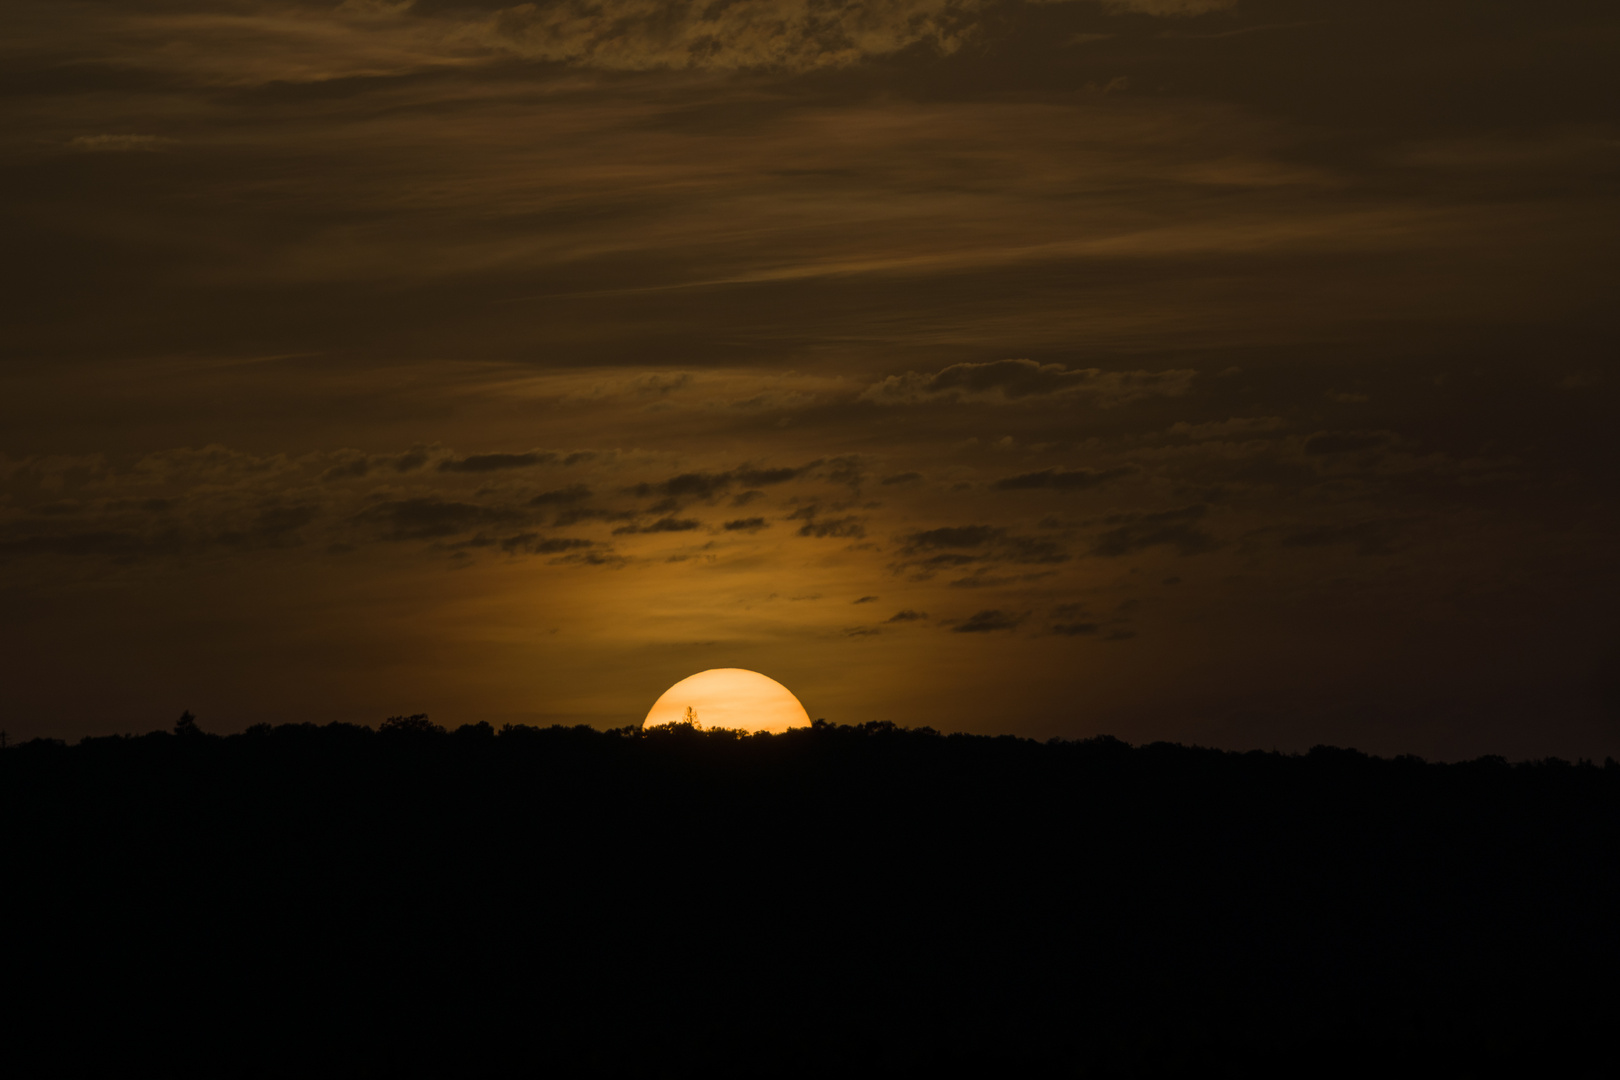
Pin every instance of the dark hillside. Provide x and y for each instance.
(833, 899)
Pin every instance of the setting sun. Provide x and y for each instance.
(729, 698)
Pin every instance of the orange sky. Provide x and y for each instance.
(1232, 372)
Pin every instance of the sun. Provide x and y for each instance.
(730, 698)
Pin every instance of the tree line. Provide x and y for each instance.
(407, 897)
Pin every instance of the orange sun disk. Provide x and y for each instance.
(730, 698)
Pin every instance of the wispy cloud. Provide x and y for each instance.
(1000, 381)
(118, 144)
(793, 35)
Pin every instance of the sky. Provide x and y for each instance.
(1231, 372)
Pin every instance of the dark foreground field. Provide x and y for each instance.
(837, 899)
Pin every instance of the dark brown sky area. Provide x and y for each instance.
(1239, 372)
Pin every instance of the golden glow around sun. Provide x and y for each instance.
(730, 698)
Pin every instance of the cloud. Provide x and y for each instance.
(412, 459)
(131, 530)
(530, 542)
(849, 526)
(1030, 551)
(213, 464)
(594, 557)
(118, 144)
(984, 622)
(1368, 537)
(846, 527)
(1170, 7)
(483, 463)
(1075, 629)
(534, 544)
(123, 546)
(849, 470)
(1230, 428)
(59, 509)
(687, 485)
(288, 44)
(940, 562)
(783, 35)
(787, 35)
(750, 525)
(1001, 381)
(1346, 442)
(353, 464)
(567, 496)
(656, 384)
(901, 478)
(907, 616)
(988, 541)
(662, 525)
(429, 517)
(1062, 479)
(960, 536)
(980, 580)
(701, 485)
(1138, 532)
(765, 477)
(573, 515)
(273, 524)
(867, 600)
(350, 466)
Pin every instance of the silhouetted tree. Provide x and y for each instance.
(691, 717)
(187, 725)
(415, 724)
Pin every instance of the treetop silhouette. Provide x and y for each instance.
(415, 724)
